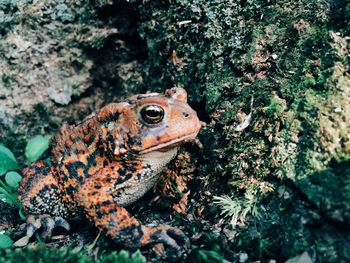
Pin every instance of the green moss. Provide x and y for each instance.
(275, 108)
(45, 254)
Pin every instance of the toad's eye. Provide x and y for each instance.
(152, 114)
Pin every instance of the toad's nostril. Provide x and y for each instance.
(185, 114)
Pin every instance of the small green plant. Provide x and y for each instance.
(237, 209)
(5, 241)
(8, 165)
(10, 178)
(7, 160)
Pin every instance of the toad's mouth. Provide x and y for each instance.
(170, 144)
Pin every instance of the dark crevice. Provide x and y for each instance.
(119, 49)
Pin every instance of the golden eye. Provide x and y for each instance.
(152, 114)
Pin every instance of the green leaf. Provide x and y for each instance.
(36, 147)
(5, 241)
(7, 196)
(12, 179)
(7, 151)
(7, 160)
(5, 199)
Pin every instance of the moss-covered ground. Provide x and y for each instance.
(271, 79)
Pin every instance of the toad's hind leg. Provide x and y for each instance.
(39, 192)
(41, 200)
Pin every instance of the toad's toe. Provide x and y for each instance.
(167, 235)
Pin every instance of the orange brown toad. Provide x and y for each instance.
(109, 161)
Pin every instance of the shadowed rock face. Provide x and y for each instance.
(81, 59)
(290, 56)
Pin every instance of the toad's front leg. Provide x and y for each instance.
(127, 230)
(100, 208)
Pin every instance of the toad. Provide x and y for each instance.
(108, 161)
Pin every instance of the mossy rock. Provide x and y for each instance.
(291, 57)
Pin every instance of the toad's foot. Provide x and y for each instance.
(167, 235)
(35, 222)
